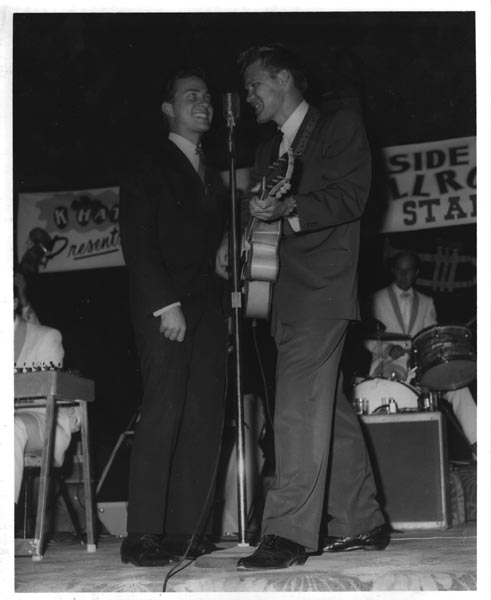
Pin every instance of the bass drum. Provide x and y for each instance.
(378, 391)
(444, 357)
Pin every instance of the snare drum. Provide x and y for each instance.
(378, 391)
(444, 357)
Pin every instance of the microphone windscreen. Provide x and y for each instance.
(231, 106)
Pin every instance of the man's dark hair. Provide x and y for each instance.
(395, 259)
(170, 86)
(274, 58)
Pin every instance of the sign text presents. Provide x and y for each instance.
(81, 226)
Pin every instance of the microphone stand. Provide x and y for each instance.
(236, 302)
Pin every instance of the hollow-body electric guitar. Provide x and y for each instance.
(261, 242)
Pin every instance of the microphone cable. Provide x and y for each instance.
(178, 566)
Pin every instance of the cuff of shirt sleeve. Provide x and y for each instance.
(292, 216)
(164, 309)
(294, 223)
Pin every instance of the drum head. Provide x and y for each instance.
(444, 357)
(448, 376)
(378, 391)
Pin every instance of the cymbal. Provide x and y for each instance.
(387, 336)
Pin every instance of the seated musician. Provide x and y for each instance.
(403, 310)
(37, 346)
(26, 310)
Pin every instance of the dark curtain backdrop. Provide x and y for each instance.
(87, 88)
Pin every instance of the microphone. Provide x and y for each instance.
(231, 108)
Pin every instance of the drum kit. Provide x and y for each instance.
(440, 358)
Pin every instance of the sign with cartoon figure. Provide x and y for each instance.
(65, 231)
(429, 185)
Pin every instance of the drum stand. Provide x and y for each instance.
(380, 358)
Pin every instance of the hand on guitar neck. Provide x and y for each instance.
(272, 204)
(271, 208)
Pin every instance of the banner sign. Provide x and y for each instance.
(430, 185)
(78, 229)
(72, 230)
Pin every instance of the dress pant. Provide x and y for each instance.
(178, 436)
(465, 410)
(310, 419)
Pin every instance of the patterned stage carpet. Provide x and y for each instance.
(414, 561)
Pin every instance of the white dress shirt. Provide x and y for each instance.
(405, 300)
(290, 129)
(187, 148)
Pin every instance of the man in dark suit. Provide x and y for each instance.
(172, 219)
(317, 436)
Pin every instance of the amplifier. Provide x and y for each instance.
(409, 459)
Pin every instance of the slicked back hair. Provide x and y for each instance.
(170, 86)
(274, 58)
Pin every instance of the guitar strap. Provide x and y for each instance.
(301, 139)
(298, 148)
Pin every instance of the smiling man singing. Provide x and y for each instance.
(172, 219)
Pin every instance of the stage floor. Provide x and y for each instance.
(414, 561)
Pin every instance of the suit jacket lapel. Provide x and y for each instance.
(183, 174)
(414, 311)
(396, 309)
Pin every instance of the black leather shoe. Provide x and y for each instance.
(146, 551)
(375, 539)
(274, 552)
(198, 547)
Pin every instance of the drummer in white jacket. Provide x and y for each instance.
(403, 310)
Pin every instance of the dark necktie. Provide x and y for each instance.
(275, 149)
(201, 163)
